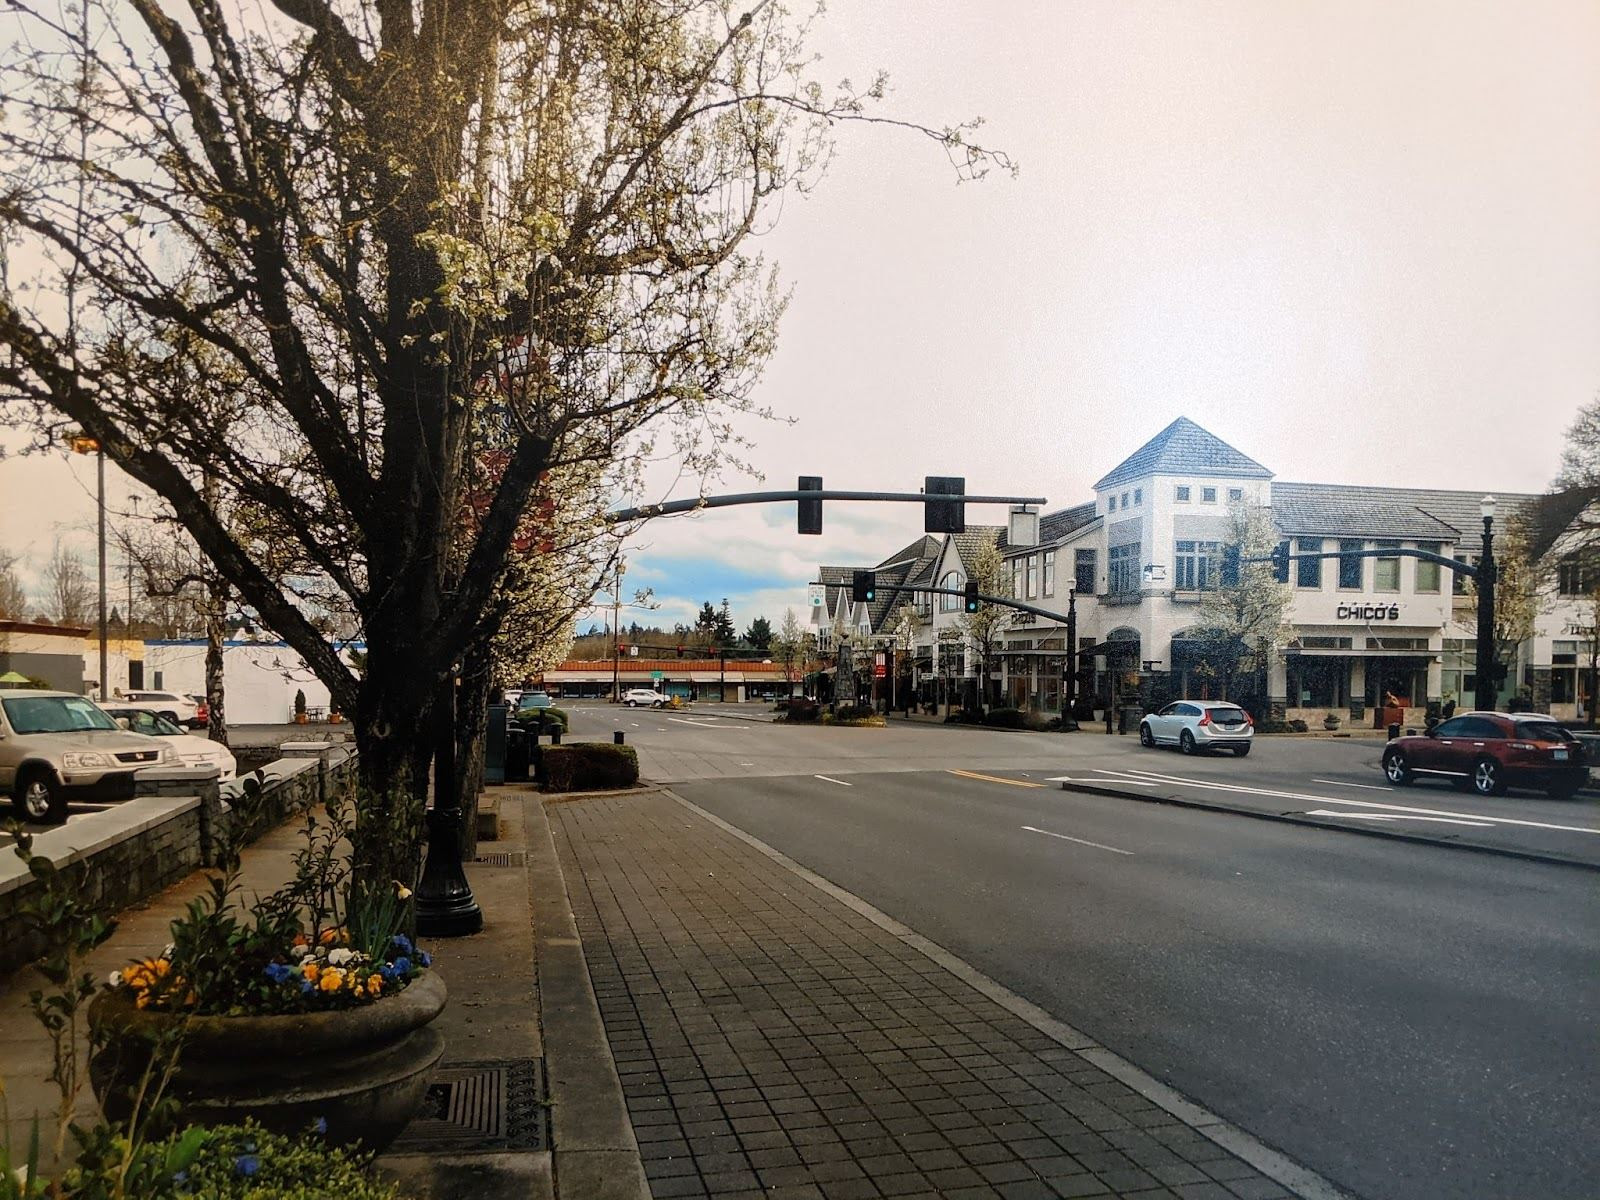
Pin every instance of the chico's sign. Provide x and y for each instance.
(1368, 612)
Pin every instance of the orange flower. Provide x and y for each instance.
(331, 979)
(310, 970)
(374, 984)
(329, 937)
(301, 939)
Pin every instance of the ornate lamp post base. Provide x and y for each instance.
(445, 904)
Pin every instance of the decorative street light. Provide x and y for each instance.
(1069, 690)
(1487, 684)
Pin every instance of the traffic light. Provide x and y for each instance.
(863, 587)
(1280, 562)
(972, 595)
(940, 515)
(810, 510)
(1230, 565)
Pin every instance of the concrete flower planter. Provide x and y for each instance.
(362, 1070)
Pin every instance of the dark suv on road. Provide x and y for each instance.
(1487, 752)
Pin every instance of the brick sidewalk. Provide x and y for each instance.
(772, 1041)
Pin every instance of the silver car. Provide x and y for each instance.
(56, 747)
(1195, 725)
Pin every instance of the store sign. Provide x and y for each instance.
(1368, 612)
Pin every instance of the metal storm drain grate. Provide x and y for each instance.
(502, 858)
(480, 1107)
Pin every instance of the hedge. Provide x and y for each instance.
(588, 766)
(802, 709)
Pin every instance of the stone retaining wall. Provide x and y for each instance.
(174, 826)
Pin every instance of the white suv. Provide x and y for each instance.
(56, 747)
(178, 709)
(635, 696)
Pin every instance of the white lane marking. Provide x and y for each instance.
(1403, 808)
(1127, 782)
(747, 764)
(702, 724)
(1080, 841)
(1371, 787)
(830, 779)
(1325, 812)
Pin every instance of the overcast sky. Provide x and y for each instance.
(1358, 241)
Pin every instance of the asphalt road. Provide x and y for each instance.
(1410, 1020)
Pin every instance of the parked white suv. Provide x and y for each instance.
(56, 747)
(635, 696)
(178, 709)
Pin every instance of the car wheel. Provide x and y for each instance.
(1146, 738)
(1241, 751)
(1186, 742)
(1487, 778)
(629, 703)
(1396, 770)
(1565, 790)
(39, 797)
(655, 704)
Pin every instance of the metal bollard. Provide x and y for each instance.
(1394, 731)
(618, 737)
(555, 733)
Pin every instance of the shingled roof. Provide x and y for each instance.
(1183, 448)
(1425, 514)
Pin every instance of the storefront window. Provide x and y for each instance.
(1084, 570)
(1308, 571)
(1385, 571)
(1350, 572)
(1428, 572)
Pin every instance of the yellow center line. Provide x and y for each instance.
(992, 778)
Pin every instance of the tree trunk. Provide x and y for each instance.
(394, 735)
(216, 614)
(472, 721)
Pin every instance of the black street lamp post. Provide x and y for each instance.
(1069, 689)
(1487, 685)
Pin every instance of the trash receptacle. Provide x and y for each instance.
(1394, 730)
(516, 754)
(494, 745)
(1128, 717)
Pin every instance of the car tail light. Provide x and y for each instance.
(1249, 720)
(1205, 716)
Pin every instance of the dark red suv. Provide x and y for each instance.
(1487, 752)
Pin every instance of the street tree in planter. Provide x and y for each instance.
(984, 628)
(1238, 624)
(348, 218)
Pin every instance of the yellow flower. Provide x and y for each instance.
(374, 984)
(142, 1000)
(331, 979)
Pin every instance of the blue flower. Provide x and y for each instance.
(387, 972)
(402, 966)
(425, 958)
(307, 987)
(277, 972)
(401, 943)
(246, 1165)
(320, 1125)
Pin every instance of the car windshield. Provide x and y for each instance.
(54, 714)
(1542, 731)
(141, 721)
(534, 700)
(1226, 714)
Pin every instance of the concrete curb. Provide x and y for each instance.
(595, 1154)
(1301, 1180)
(1285, 818)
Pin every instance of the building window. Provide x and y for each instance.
(1084, 569)
(1194, 566)
(1385, 571)
(1308, 571)
(924, 604)
(1569, 576)
(1049, 574)
(1428, 572)
(1111, 504)
(1350, 571)
(1460, 582)
(1235, 494)
(1138, 495)
(1183, 493)
(1208, 495)
(1123, 569)
(1033, 576)
(955, 581)
(1124, 500)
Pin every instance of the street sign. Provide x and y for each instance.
(658, 675)
(816, 594)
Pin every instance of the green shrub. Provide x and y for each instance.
(854, 714)
(802, 708)
(589, 766)
(1299, 726)
(1037, 721)
(1004, 718)
(529, 718)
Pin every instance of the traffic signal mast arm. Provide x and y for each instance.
(670, 508)
(1048, 614)
(1455, 564)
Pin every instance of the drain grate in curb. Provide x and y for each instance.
(502, 858)
(480, 1107)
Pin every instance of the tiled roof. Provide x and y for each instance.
(1427, 514)
(1057, 525)
(968, 543)
(889, 583)
(1183, 448)
(927, 546)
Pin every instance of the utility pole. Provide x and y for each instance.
(616, 637)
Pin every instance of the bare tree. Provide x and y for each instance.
(13, 596)
(985, 627)
(1243, 621)
(68, 593)
(331, 251)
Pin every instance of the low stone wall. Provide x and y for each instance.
(174, 826)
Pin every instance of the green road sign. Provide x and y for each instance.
(657, 675)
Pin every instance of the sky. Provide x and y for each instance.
(1359, 241)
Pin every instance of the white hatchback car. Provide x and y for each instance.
(1195, 725)
(635, 696)
(188, 749)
